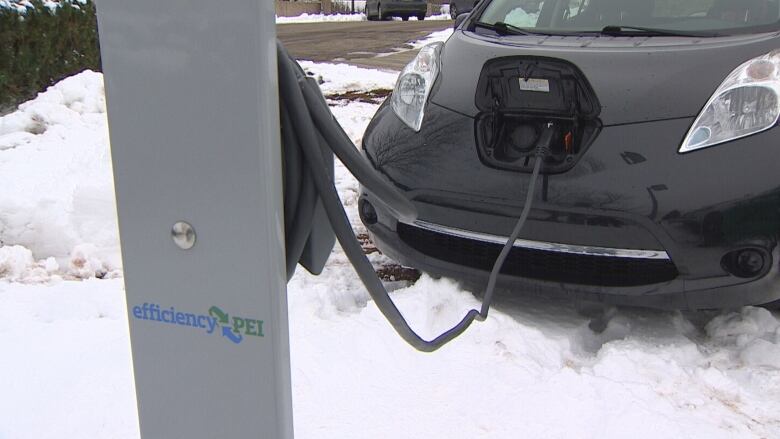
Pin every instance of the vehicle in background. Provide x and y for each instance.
(458, 7)
(384, 9)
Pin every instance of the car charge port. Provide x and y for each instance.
(518, 97)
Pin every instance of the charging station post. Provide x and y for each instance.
(192, 98)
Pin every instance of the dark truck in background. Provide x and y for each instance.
(384, 9)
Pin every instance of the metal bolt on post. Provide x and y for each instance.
(183, 235)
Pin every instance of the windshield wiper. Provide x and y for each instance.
(620, 31)
(502, 28)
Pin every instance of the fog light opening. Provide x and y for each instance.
(367, 213)
(745, 263)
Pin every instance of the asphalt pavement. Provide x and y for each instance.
(358, 42)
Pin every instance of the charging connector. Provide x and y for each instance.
(541, 153)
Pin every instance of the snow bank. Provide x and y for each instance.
(436, 17)
(315, 18)
(441, 16)
(18, 265)
(753, 333)
(55, 171)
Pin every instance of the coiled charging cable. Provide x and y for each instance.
(308, 128)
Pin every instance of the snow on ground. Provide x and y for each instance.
(316, 18)
(341, 78)
(440, 36)
(533, 369)
(65, 368)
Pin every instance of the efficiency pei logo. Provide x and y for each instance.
(234, 329)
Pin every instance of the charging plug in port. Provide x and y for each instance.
(513, 116)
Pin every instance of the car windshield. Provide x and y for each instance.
(633, 17)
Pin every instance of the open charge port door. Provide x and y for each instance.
(518, 97)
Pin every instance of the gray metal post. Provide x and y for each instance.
(193, 115)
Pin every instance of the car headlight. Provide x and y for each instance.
(747, 102)
(414, 85)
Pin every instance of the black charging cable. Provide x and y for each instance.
(308, 129)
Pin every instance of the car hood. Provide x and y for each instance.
(636, 79)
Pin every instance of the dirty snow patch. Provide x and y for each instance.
(342, 78)
(55, 171)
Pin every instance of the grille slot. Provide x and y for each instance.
(540, 264)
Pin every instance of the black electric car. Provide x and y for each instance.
(384, 9)
(660, 176)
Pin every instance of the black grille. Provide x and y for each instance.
(540, 264)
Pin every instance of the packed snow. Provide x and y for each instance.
(534, 369)
(317, 18)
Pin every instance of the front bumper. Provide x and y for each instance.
(631, 192)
